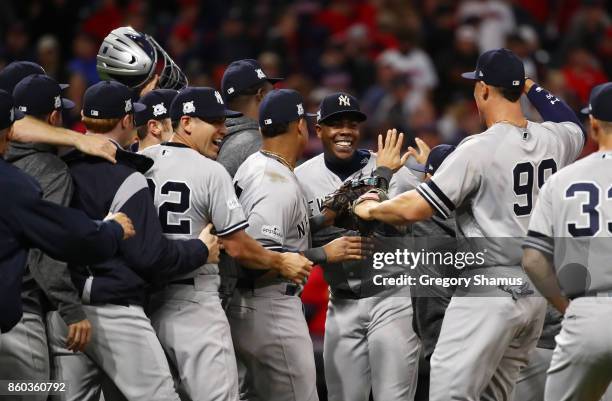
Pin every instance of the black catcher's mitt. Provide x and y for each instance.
(341, 202)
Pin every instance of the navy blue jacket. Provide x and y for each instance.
(149, 257)
(27, 221)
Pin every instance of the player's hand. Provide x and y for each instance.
(389, 152)
(421, 153)
(295, 267)
(212, 243)
(362, 210)
(151, 85)
(348, 248)
(79, 335)
(125, 223)
(96, 145)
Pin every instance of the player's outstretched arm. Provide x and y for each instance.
(540, 270)
(347, 248)
(403, 209)
(29, 129)
(253, 255)
(68, 234)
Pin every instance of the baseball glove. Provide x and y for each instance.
(341, 202)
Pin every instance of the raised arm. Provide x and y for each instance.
(405, 208)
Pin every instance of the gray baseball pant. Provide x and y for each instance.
(370, 345)
(273, 346)
(24, 354)
(581, 366)
(123, 347)
(193, 330)
(532, 378)
(483, 344)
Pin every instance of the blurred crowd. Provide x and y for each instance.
(402, 58)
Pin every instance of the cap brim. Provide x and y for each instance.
(360, 117)
(585, 111)
(67, 104)
(64, 86)
(232, 113)
(138, 107)
(470, 75)
(275, 80)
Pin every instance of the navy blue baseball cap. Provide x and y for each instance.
(281, 106)
(158, 104)
(499, 67)
(241, 75)
(600, 102)
(40, 94)
(109, 99)
(16, 71)
(202, 102)
(339, 103)
(435, 159)
(8, 113)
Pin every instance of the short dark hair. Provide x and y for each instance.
(142, 131)
(252, 90)
(175, 124)
(272, 130)
(511, 94)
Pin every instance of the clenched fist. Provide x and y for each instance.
(212, 243)
(295, 267)
(125, 223)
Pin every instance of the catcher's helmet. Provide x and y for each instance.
(132, 58)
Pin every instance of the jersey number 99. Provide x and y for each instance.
(524, 178)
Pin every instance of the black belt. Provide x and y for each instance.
(248, 284)
(363, 292)
(185, 281)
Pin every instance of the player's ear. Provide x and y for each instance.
(318, 130)
(261, 93)
(186, 124)
(127, 121)
(55, 118)
(153, 128)
(595, 128)
(485, 92)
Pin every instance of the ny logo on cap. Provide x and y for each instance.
(159, 109)
(344, 100)
(219, 98)
(300, 109)
(260, 73)
(57, 102)
(128, 105)
(188, 107)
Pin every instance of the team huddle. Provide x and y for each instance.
(161, 256)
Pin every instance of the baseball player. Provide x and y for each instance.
(273, 347)
(369, 344)
(47, 281)
(58, 231)
(123, 346)
(192, 190)
(243, 87)
(32, 130)
(491, 180)
(153, 124)
(570, 227)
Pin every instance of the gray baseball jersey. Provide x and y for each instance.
(318, 181)
(492, 181)
(274, 203)
(369, 343)
(273, 347)
(494, 178)
(190, 191)
(573, 219)
(572, 222)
